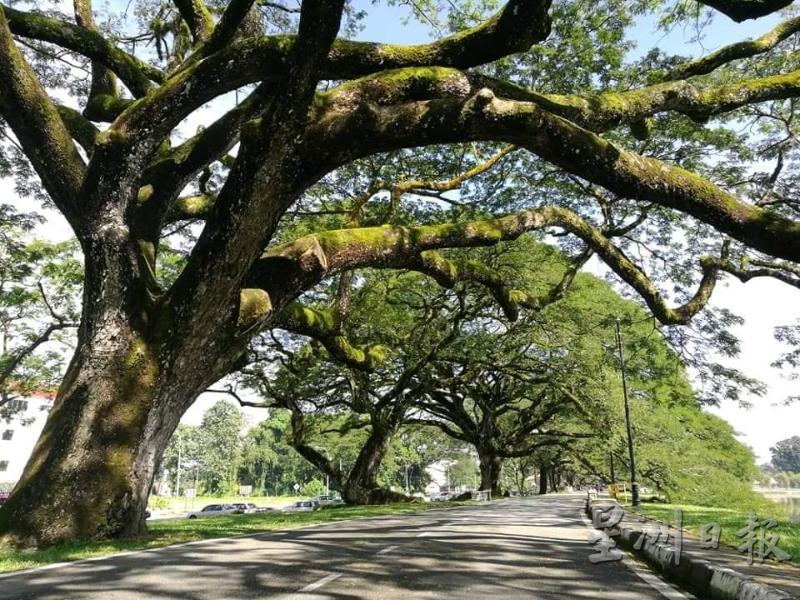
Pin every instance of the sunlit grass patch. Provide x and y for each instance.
(730, 520)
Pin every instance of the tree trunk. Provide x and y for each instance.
(361, 485)
(91, 471)
(543, 477)
(491, 467)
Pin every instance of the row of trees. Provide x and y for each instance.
(343, 156)
(542, 390)
(223, 453)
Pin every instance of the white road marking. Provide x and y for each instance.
(667, 590)
(388, 549)
(318, 584)
(425, 534)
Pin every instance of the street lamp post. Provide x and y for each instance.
(634, 485)
(178, 470)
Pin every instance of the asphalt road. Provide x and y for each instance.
(535, 548)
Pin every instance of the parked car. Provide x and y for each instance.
(215, 510)
(441, 496)
(302, 506)
(246, 507)
(330, 500)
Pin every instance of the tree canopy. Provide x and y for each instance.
(786, 454)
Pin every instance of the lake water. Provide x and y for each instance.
(793, 504)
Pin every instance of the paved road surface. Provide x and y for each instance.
(520, 548)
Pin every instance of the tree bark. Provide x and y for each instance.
(361, 485)
(544, 473)
(91, 470)
(491, 466)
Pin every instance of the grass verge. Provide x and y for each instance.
(730, 520)
(178, 531)
(183, 504)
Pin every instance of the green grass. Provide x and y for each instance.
(730, 520)
(168, 532)
(183, 504)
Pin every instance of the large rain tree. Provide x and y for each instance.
(107, 151)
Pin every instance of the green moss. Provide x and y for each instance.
(254, 306)
(387, 87)
(440, 263)
(314, 318)
(195, 206)
(377, 354)
(137, 353)
(145, 193)
(348, 352)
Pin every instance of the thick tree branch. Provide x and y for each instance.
(742, 10)
(229, 23)
(339, 136)
(515, 28)
(33, 117)
(104, 82)
(169, 174)
(727, 54)
(80, 128)
(291, 268)
(607, 110)
(197, 17)
(135, 74)
(320, 324)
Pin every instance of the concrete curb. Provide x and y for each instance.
(700, 576)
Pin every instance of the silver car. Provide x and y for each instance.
(327, 500)
(215, 510)
(302, 506)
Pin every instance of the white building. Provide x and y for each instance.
(18, 434)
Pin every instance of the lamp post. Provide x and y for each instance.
(634, 485)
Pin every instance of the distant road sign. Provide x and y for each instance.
(190, 492)
(245, 490)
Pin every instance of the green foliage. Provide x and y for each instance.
(786, 454)
(40, 287)
(682, 453)
(221, 445)
(315, 487)
(210, 454)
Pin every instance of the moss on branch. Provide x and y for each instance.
(411, 248)
(196, 15)
(337, 138)
(737, 51)
(39, 127)
(607, 110)
(321, 325)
